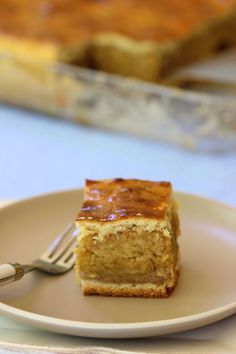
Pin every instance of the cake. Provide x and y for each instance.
(127, 243)
(144, 39)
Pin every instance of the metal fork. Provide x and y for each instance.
(59, 258)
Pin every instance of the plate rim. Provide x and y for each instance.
(184, 319)
(107, 330)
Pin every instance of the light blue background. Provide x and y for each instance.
(39, 154)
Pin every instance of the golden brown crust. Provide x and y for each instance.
(116, 199)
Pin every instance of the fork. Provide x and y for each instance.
(59, 258)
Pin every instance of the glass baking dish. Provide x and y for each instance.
(193, 120)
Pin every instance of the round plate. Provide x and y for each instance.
(206, 291)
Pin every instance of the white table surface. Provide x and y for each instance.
(40, 154)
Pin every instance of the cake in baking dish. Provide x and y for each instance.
(127, 244)
(144, 39)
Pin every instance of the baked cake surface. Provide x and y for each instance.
(144, 39)
(69, 21)
(127, 245)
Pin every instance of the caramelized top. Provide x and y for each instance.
(70, 21)
(115, 199)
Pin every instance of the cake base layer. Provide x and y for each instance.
(148, 290)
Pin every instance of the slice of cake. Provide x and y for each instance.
(127, 245)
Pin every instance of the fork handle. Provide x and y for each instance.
(11, 272)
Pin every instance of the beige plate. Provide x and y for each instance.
(206, 291)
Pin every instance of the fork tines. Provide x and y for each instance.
(62, 247)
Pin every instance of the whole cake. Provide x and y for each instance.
(127, 244)
(144, 39)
